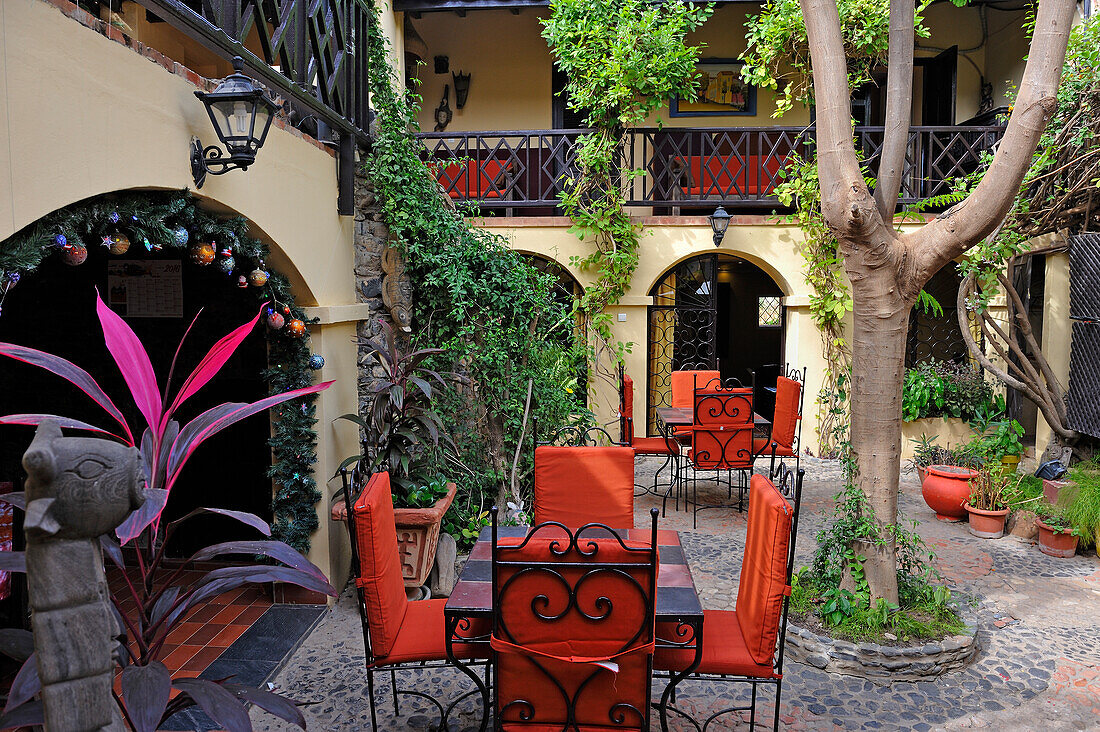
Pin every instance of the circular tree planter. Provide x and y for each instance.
(1054, 542)
(946, 489)
(987, 524)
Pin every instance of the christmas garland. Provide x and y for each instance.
(155, 220)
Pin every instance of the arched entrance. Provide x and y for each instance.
(565, 291)
(714, 311)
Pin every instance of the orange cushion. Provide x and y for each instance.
(580, 485)
(683, 384)
(764, 568)
(724, 650)
(379, 571)
(423, 636)
(722, 449)
(626, 409)
(720, 406)
(788, 393)
(763, 446)
(653, 446)
(471, 179)
(730, 174)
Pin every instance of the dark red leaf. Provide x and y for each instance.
(16, 643)
(276, 550)
(221, 705)
(135, 523)
(25, 685)
(280, 706)
(25, 715)
(249, 519)
(13, 561)
(145, 691)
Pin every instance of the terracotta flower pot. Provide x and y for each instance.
(987, 524)
(418, 535)
(921, 472)
(1054, 542)
(946, 489)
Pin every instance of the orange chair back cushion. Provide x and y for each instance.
(581, 485)
(718, 448)
(764, 569)
(788, 393)
(626, 409)
(616, 623)
(683, 384)
(379, 570)
(722, 406)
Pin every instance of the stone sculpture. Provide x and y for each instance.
(78, 488)
(397, 289)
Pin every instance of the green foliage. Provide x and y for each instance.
(490, 312)
(1082, 502)
(152, 216)
(941, 389)
(1057, 518)
(994, 490)
(623, 60)
(778, 53)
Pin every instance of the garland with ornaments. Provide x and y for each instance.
(151, 221)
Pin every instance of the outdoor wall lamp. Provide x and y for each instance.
(719, 222)
(241, 114)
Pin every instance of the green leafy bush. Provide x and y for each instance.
(940, 389)
(1082, 501)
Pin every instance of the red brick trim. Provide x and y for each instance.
(107, 30)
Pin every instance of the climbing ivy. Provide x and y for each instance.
(623, 59)
(490, 311)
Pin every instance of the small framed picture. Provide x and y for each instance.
(722, 92)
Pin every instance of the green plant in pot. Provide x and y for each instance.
(402, 433)
(1081, 501)
(992, 495)
(1057, 534)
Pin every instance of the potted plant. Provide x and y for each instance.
(1057, 534)
(1081, 499)
(401, 434)
(991, 498)
(1004, 442)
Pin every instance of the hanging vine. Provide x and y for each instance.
(623, 59)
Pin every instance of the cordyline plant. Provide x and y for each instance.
(401, 429)
(162, 597)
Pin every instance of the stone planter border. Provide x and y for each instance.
(886, 664)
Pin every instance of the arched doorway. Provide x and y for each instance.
(714, 311)
(565, 291)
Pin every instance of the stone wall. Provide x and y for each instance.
(371, 239)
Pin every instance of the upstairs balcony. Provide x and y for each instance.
(521, 172)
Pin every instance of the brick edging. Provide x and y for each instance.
(105, 29)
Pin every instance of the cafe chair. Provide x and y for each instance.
(745, 645)
(397, 633)
(582, 481)
(659, 446)
(682, 386)
(790, 397)
(573, 623)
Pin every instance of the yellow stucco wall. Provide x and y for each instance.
(85, 115)
(1057, 332)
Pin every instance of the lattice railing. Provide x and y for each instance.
(682, 167)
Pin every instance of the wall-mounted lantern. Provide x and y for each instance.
(719, 222)
(241, 114)
(462, 88)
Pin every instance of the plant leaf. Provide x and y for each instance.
(133, 361)
(15, 498)
(164, 603)
(64, 422)
(177, 453)
(249, 519)
(212, 362)
(13, 561)
(147, 513)
(222, 706)
(16, 643)
(276, 550)
(70, 372)
(112, 551)
(145, 691)
(25, 685)
(280, 706)
(25, 715)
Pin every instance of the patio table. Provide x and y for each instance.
(683, 417)
(677, 603)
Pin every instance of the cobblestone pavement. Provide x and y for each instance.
(1039, 632)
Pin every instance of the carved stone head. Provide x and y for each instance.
(79, 487)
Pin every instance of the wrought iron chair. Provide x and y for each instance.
(786, 433)
(662, 446)
(398, 633)
(745, 645)
(580, 481)
(573, 623)
(682, 386)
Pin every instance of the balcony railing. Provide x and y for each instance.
(681, 167)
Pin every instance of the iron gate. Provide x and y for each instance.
(1083, 409)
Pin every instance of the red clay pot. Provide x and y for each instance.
(417, 536)
(946, 489)
(987, 524)
(1054, 542)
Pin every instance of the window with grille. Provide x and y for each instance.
(769, 312)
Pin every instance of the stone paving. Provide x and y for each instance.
(1039, 632)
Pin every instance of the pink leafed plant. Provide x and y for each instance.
(163, 599)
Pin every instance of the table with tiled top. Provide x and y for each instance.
(677, 602)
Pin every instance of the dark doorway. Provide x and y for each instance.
(938, 87)
(54, 310)
(562, 116)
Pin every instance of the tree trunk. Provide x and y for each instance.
(880, 324)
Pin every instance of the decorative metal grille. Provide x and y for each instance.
(932, 336)
(770, 312)
(1083, 410)
(1084, 277)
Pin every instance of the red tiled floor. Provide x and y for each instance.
(182, 632)
(202, 659)
(205, 633)
(251, 614)
(228, 614)
(204, 613)
(229, 634)
(181, 655)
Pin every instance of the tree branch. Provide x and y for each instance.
(959, 228)
(899, 108)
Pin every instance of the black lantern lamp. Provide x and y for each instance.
(719, 222)
(241, 114)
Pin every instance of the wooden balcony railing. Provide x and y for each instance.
(681, 167)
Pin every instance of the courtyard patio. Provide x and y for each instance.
(1039, 638)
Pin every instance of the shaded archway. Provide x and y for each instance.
(565, 291)
(714, 311)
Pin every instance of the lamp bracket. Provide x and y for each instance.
(212, 160)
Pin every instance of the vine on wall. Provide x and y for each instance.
(153, 221)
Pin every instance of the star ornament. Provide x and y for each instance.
(105, 241)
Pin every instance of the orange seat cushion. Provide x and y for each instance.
(423, 636)
(580, 485)
(472, 179)
(722, 447)
(626, 409)
(763, 446)
(715, 175)
(653, 446)
(788, 394)
(763, 582)
(724, 650)
(379, 572)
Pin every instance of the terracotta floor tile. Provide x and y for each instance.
(206, 633)
(202, 659)
(182, 632)
(253, 596)
(231, 633)
(204, 613)
(229, 614)
(251, 614)
(175, 660)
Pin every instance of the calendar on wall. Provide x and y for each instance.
(142, 288)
